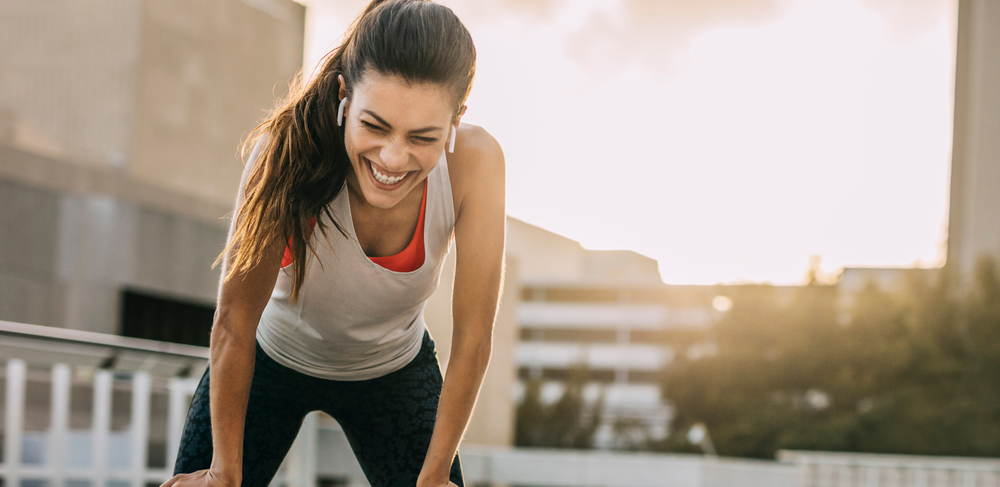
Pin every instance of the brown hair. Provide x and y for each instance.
(303, 163)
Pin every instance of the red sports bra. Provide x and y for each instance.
(410, 259)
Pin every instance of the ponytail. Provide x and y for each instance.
(302, 163)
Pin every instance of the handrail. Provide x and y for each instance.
(100, 340)
(886, 460)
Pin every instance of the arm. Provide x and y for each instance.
(241, 302)
(478, 178)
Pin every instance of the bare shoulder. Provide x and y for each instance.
(475, 151)
(476, 166)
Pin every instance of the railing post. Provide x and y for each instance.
(300, 462)
(103, 380)
(310, 443)
(969, 479)
(16, 372)
(176, 412)
(872, 476)
(141, 384)
(62, 376)
(292, 464)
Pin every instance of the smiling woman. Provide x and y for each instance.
(373, 145)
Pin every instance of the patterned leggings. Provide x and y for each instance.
(387, 420)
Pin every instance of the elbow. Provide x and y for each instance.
(230, 330)
(479, 337)
(473, 346)
(482, 349)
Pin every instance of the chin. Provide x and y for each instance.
(383, 199)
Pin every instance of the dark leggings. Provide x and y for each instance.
(388, 420)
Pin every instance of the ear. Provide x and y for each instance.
(343, 87)
(461, 111)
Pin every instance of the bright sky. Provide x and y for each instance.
(728, 139)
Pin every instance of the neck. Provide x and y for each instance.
(358, 201)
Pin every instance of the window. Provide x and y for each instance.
(166, 319)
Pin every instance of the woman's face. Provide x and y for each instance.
(394, 133)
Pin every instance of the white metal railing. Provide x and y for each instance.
(830, 469)
(98, 362)
(102, 453)
(101, 467)
(558, 467)
(64, 359)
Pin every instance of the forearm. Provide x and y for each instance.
(467, 365)
(231, 372)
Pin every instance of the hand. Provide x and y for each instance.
(446, 484)
(201, 478)
(423, 481)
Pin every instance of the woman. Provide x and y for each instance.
(372, 146)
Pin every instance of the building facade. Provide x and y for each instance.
(120, 122)
(564, 307)
(974, 228)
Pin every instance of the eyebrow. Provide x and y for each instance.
(415, 131)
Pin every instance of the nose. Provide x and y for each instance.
(395, 155)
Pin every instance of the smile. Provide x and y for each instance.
(384, 178)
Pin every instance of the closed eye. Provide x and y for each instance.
(372, 126)
(376, 128)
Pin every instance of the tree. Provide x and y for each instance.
(567, 423)
(915, 372)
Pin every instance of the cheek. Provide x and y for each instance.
(428, 165)
(358, 140)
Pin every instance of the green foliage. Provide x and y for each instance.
(917, 372)
(567, 423)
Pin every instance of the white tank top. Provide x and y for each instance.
(354, 319)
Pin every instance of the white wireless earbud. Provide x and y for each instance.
(340, 112)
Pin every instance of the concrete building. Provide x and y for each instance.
(119, 127)
(625, 334)
(974, 222)
(563, 306)
(974, 212)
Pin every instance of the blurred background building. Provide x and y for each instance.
(974, 219)
(119, 127)
(565, 307)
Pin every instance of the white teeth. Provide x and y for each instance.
(382, 178)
